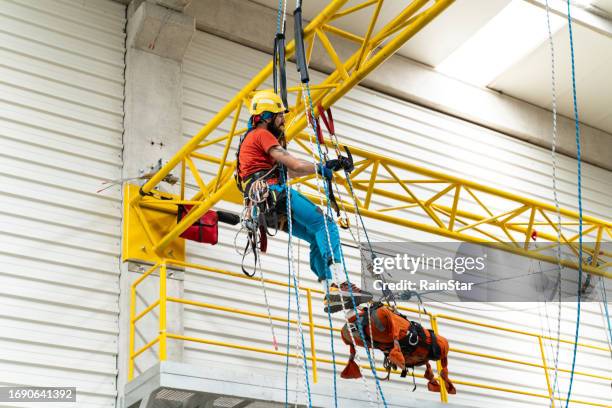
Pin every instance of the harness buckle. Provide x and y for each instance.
(412, 334)
(343, 222)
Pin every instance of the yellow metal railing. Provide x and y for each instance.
(163, 335)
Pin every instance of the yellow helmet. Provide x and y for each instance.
(266, 101)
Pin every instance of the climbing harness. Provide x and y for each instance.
(405, 344)
(261, 209)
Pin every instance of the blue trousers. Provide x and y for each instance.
(308, 223)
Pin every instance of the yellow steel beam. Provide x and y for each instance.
(353, 9)
(366, 40)
(343, 33)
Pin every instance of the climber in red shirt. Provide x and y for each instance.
(262, 158)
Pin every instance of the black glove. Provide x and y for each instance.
(346, 164)
(333, 164)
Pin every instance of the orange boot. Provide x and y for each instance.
(352, 369)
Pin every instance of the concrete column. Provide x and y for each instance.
(157, 39)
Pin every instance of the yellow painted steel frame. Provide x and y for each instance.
(467, 215)
(371, 51)
(412, 191)
(313, 327)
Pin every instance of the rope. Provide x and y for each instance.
(301, 352)
(263, 286)
(358, 217)
(333, 351)
(288, 341)
(343, 263)
(336, 278)
(555, 386)
(372, 348)
(284, 13)
(358, 213)
(280, 16)
(297, 362)
(329, 245)
(554, 163)
(250, 213)
(297, 294)
(580, 257)
(604, 304)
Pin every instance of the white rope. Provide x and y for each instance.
(545, 329)
(300, 339)
(263, 287)
(298, 372)
(284, 14)
(556, 199)
(603, 314)
(247, 213)
(372, 351)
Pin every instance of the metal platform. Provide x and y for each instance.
(214, 385)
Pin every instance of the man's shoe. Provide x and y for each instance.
(333, 301)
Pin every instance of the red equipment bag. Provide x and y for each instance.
(205, 230)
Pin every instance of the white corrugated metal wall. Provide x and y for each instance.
(215, 69)
(61, 115)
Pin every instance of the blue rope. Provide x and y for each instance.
(278, 30)
(580, 260)
(333, 351)
(329, 211)
(331, 340)
(288, 334)
(296, 289)
(605, 302)
(297, 300)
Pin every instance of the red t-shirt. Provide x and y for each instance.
(254, 152)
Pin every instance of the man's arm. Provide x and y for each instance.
(296, 167)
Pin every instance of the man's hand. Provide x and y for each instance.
(325, 171)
